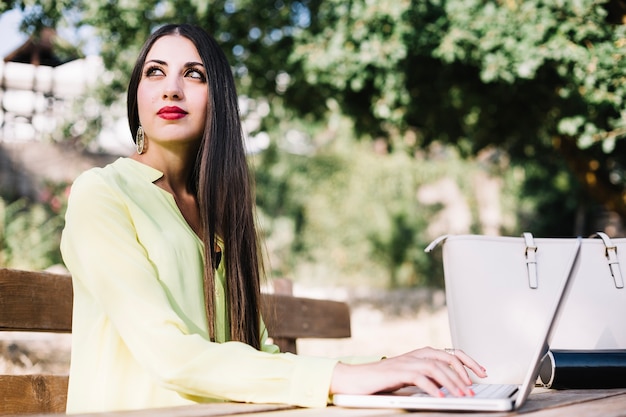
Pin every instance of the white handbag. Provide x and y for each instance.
(498, 290)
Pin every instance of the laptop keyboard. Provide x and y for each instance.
(489, 390)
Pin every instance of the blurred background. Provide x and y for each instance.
(372, 126)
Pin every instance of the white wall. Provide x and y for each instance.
(35, 102)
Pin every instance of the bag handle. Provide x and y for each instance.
(432, 245)
(611, 257)
(530, 253)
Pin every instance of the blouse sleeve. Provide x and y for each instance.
(101, 249)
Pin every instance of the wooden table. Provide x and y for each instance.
(541, 403)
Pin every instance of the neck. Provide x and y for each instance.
(176, 170)
(175, 167)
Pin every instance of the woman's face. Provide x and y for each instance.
(172, 94)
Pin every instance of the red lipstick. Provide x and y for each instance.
(171, 113)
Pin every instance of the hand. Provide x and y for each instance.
(427, 368)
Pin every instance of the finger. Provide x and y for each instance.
(428, 386)
(469, 362)
(457, 383)
(441, 372)
(459, 360)
(458, 365)
(450, 358)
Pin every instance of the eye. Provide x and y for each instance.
(153, 71)
(195, 74)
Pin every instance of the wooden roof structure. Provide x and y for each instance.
(46, 48)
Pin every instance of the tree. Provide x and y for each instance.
(543, 80)
(257, 37)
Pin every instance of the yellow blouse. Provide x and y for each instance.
(139, 336)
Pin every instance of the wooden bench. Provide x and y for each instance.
(42, 302)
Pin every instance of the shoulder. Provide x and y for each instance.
(97, 174)
(99, 184)
(122, 175)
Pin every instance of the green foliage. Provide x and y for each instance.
(40, 14)
(558, 197)
(528, 76)
(569, 42)
(540, 81)
(390, 59)
(343, 216)
(514, 74)
(348, 215)
(29, 235)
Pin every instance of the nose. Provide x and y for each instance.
(172, 89)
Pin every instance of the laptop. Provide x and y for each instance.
(489, 397)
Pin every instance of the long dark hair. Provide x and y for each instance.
(222, 184)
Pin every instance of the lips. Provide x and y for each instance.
(171, 113)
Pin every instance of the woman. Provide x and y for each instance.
(163, 253)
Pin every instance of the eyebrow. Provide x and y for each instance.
(187, 64)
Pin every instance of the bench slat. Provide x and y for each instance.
(28, 394)
(35, 301)
(296, 317)
(42, 302)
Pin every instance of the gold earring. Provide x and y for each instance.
(140, 140)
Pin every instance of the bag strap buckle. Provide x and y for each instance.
(531, 260)
(611, 256)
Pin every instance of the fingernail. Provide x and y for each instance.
(471, 392)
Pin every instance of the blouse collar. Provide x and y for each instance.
(140, 169)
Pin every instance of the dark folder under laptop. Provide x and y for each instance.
(489, 397)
